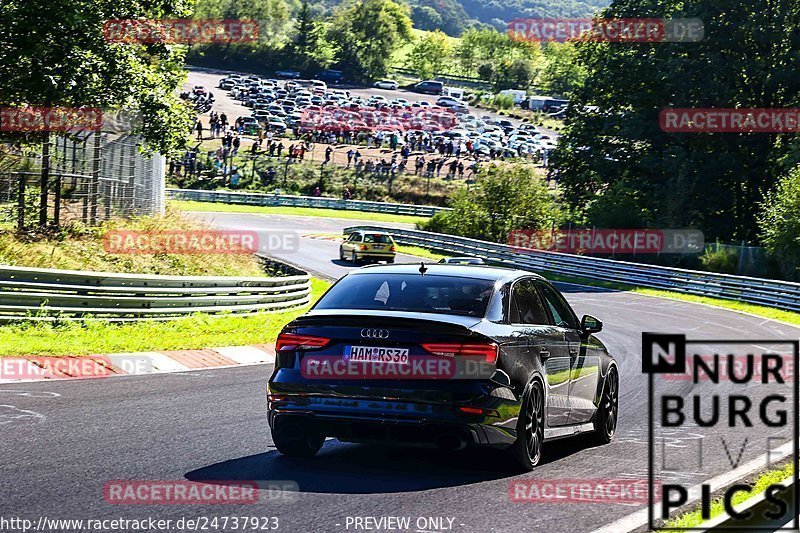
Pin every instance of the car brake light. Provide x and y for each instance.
(364, 246)
(392, 248)
(292, 341)
(488, 351)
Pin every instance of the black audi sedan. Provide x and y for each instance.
(444, 356)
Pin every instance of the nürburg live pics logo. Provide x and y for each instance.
(733, 405)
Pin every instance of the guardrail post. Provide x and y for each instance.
(21, 203)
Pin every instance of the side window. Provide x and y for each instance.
(526, 306)
(559, 308)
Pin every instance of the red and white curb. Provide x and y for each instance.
(20, 369)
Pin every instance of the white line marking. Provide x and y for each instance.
(639, 518)
(246, 355)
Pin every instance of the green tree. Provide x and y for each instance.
(561, 73)
(272, 15)
(430, 54)
(505, 198)
(779, 222)
(54, 53)
(426, 18)
(516, 73)
(713, 181)
(308, 49)
(493, 56)
(366, 33)
(453, 16)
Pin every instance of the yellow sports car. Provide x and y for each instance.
(366, 246)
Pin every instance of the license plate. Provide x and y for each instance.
(378, 246)
(377, 354)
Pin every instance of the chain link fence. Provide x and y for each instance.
(88, 177)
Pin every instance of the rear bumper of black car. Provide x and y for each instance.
(408, 423)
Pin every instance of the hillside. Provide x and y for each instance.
(501, 11)
(453, 16)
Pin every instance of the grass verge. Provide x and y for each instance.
(195, 332)
(759, 310)
(78, 247)
(693, 519)
(185, 205)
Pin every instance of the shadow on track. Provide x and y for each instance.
(344, 468)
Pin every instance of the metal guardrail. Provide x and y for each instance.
(769, 293)
(48, 294)
(286, 200)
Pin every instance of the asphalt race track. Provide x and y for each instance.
(62, 441)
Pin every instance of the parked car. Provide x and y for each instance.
(251, 125)
(386, 84)
(227, 83)
(292, 74)
(276, 124)
(475, 356)
(545, 104)
(330, 76)
(429, 87)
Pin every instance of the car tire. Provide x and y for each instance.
(390, 261)
(354, 258)
(526, 452)
(341, 254)
(605, 423)
(297, 446)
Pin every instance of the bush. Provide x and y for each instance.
(780, 223)
(503, 101)
(504, 199)
(721, 260)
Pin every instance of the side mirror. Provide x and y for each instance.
(590, 324)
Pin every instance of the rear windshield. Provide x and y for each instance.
(377, 237)
(414, 293)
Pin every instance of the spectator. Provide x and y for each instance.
(347, 194)
(453, 166)
(199, 129)
(317, 192)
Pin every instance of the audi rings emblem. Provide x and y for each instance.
(375, 333)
